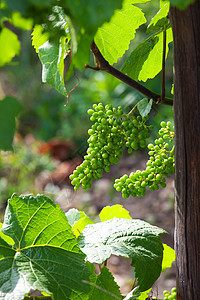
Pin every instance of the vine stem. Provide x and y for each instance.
(103, 65)
(163, 66)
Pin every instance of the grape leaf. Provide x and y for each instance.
(6, 238)
(52, 56)
(10, 107)
(144, 106)
(85, 22)
(134, 239)
(168, 257)
(146, 60)
(9, 45)
(45, 254)
(39, 37)
(115, 211)
(20, 22)
(78, 220)
(103, 286)
(160, 20)
(181, 4)
(113, 38)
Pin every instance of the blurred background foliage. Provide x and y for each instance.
(45, 116)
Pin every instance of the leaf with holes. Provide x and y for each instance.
(134, 239)
(45, 254)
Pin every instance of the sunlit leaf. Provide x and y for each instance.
(168, 257)
(113, 38)
(146, 60)
(45, 254)
(134, 239)
(115, 211)
(9, 45)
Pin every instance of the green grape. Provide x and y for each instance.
(111, 132)
(160, 165)
(170, 295)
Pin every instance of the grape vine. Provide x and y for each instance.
(160, 165)
(111, 132)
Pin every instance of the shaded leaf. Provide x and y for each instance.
(144, 106)
(85, 22)
(9, 45)
(113, 38)
(52, 56)
(134, 239)
(160, 20)
(146, 60)
(45, 255)
(181, 4)
(169, 257)
(144, 295)
(115, 211)
(10, 107)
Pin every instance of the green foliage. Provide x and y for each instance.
(119, 31)
(103, 286)
(128, 238)
(52, 57)
(146, 59)
(41, 247)
(9, 45)
(39, 251)
(9, 109)
(181, 4)
(168, 257)
(78, 220)
(144, 107)
(45, 254)
(115, 211)
(160, 21)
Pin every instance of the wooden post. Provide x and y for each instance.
(186, 31)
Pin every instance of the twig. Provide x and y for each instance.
(105, 66)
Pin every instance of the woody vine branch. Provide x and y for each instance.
(103, 65)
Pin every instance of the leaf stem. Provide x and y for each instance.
(105, 66)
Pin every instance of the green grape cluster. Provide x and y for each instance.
(170, 295)
(111, 132)
(160, 165)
